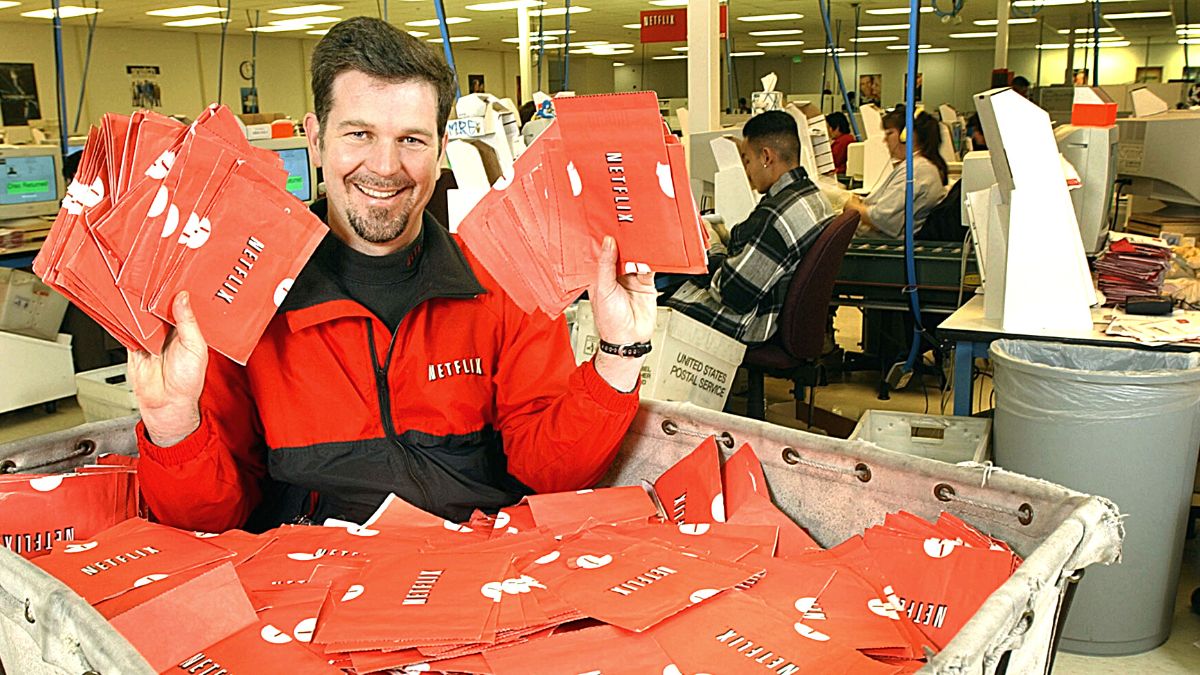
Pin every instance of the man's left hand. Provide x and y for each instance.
(625, 308)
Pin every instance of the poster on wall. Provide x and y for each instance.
(870, 89)
(917, 87)
(1145, 74)
(143, 86)
(475, 84)
(1081, 78)
(18, 94)
(249, 100)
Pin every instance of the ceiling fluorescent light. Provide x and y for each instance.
(320, 31)
(669, 3)
(746, 53)
(1137, 15)
(897, 10)
(278, 28)
(617, 64)
(875, 38)
(670, 57)
(417, 33)
(459, 38)
(933, 50)
(781, 43)
(428, 23)
(304, 9)
(772, 17)
(884, 26)
(1011, 22)
(190, 10)
(824, 50)
(632, 26)
(679, 49)
(559, 11)
(772, 33)
(504, 6)
(5, 4)
(532, 38)
(197, 21)
(905, 47)
(64, 11)
(1190, 41)
(969, 36)
(1087, 31)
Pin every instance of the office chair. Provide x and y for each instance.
(794, 352)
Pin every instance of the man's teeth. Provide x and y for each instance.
(378, 194)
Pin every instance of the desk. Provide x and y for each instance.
(972, 334)
(20, 256)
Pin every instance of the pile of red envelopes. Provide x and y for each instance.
(608, 165)
(1132, 265)
(156, 208)
(701, 573)
(42, 511)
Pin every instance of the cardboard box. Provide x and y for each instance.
(105, 393)
(29, 307)
(690, 361)
(942, 437)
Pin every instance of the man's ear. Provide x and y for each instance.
(442, 149)
(312, 130)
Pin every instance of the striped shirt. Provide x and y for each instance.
(745, 293)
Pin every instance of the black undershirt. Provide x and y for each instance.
(378, 282)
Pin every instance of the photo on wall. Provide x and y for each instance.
(143, 87)
(1082, 77)
(870, 89)
(18, 94)
(1146, 74)
(475, 84)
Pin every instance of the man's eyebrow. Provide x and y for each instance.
(362, 124)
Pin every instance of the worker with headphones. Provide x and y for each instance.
(882, 211)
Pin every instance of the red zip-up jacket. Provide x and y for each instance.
(472, 403)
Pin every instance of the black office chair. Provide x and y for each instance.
(794, 352)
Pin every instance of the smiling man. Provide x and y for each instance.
(395, 364)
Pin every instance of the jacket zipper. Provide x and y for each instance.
(385, 408)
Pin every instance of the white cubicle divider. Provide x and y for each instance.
(877, 160)
(1047, 286)
(733, 197)
(471, 178)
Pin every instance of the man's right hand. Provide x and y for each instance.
(168, 386)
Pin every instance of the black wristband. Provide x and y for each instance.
(631, 351)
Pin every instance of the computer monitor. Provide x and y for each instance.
(31, 182)
(1158, 155)
(1093, 153)
(302, 175)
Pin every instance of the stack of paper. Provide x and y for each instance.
(607, 165)
(1132, 265)
(625, 580)
(157, 208)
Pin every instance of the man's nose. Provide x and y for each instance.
(384, 159)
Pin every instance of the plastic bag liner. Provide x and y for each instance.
(1049, 380)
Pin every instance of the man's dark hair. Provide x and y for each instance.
(382, 51)
(1020, 81)
(838, 121)
(526, 112)
(775, 129)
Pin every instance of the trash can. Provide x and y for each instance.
(1119, 423)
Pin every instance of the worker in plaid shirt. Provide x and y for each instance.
(748, 279)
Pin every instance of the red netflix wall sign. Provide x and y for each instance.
(670, 25)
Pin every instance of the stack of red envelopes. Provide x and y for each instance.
(43, 511)
(624, 580)
(1132, 265)
(608, 165)
(156, 208)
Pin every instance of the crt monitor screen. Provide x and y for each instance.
(28, 180)
(299, 180)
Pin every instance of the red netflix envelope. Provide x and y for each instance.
(759, 510)
(172, 626)
(736, 633)
(690, 490)
(422, 599)
(41, 511)
(129, 555)
(259, 648)
(635, 585)
(561, 510)
(742, 479)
